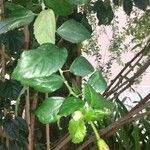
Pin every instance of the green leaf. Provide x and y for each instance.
(146, 124)
(60, 7)
(40, 62)
(21, 123)
(14, 5)
(116, 2)
(77, 130)
(100, 9)
(45, 27)
(48, 111)
(18, 18)
(10, 89)
(104, 12)
(73, 31)
(96, 100)
(70, 105)
(136, 137)
(141, 4)
(44, 84)
(122, 110)
(82, 18)
(13, 40)
(78, 2)
(75, 87)
(124, 136)
(127, 6)
(17, 130)
(95, 114)
(81, 67)
(98, 82)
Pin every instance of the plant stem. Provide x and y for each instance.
(18, 100)
(95, 131)
(67, 84)
(43, 5)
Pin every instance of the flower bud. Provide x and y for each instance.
(102, 145)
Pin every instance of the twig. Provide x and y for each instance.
(142, 102)
(116, 125)
(62, 143)
(3, 63)
(130, 81)
(71, 92)
(118, 84)
(109, 91)
(18, 100)
(136, 75)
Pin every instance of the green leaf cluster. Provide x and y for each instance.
(37, 68)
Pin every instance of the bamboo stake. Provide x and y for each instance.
(47, 131)
(34, 105)
(27, 98)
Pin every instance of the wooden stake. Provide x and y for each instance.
(47, 131)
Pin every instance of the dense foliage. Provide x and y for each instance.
(43, 72)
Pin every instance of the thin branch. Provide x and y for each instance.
(3, 62)
(61, 143)
(142, 102)
(130, 81)
(115, 81)
(119, 84)
(18, 100)
(116, 125)
(71, 92)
